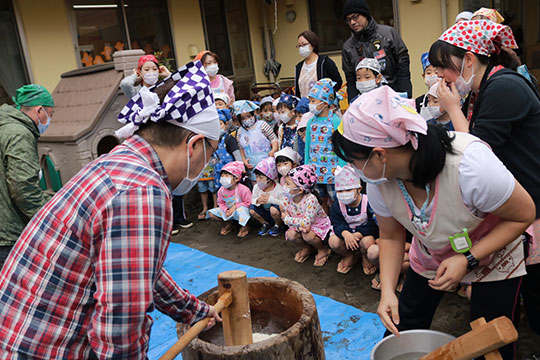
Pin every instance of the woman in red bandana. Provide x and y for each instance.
(475, 62)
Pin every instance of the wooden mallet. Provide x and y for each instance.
(483, 339)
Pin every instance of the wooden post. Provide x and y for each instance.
(493, 355)
(237, 317)
(477, 342)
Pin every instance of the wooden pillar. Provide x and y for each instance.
(237, 317)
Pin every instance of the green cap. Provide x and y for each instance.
(33, 95)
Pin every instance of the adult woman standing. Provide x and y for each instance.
(502, 108)
(314, 66)
(218, 82)
(464, 208)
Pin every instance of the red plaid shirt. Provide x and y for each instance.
(89, 266)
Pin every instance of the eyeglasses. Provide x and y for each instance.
(352, 17)
(214, 151)
(300, 45)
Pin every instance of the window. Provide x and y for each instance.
(327, 21)
(105, 26)
(13, 74)
(217, 34)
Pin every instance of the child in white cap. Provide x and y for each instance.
(286, 159)
(354, 226)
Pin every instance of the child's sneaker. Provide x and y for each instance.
(264, 229)
(275, 230)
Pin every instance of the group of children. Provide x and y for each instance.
(275, 165)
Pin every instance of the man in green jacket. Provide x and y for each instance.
(20, 194)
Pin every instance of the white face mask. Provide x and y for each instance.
(361, 175)
(313, 108)
(187, 184)
(226, 182)
(151, 78)
(284, 117)
(435, 112)
(304, 51)
(365, 86)
(425, 113)
(212, 70)
(284, 170)
(247, 123)
(263, 184)
(347, 197)
(430, 80)
(289, 192)
(464, 87)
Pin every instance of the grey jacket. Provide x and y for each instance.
(20, 194)
(383, 43)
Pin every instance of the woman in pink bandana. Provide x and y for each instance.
(463, 207)
(502, 108)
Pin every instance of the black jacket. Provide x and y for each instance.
(326, 68)
(506, 115)
(370, 42)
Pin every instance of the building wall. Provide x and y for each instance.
(420, 25)
(187, 28)
(48, 36)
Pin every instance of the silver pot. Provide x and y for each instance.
(410, 345)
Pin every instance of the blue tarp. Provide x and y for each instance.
(348, 333)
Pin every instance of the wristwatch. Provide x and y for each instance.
(471, 260)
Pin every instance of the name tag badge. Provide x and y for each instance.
(419, 225)
(461, 242)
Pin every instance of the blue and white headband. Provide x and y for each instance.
(189, 104)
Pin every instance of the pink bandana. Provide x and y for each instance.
(268, 167)
(236, 168)
(483, 37)
(346, 178)
(304, 177)
(382, 118)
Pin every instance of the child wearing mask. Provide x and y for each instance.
(354, 227)
(256, 139)
(286, 159)
(433, 112)
(368, 76)
(266, 198)
(318, 147)
(309, 226)
(287, 119)
(147, 74)
(267, 112)
(430, 77)
(226, 151)
(300, 144)
(233, 200)
(222, 100)
(218, 82)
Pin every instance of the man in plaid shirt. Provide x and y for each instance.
(89, 266)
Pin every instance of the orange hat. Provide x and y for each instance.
(201, 54)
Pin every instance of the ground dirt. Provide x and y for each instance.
(277, 255)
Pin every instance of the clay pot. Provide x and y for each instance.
(277, 306)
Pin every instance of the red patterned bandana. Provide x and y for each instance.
(483, 37)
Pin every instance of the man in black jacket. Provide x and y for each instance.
(372, 40)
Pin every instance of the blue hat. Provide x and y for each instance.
(425, 61)
(224, 115)
(303, 105)
(324, 90)
(244, 106)
(289, 100)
